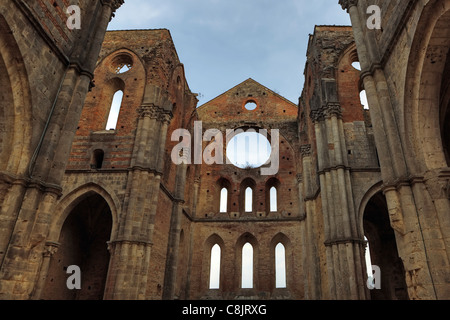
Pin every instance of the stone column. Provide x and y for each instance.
(312, 263)
(342, 241)
(174, 236)
(130, 252)
(50, 249)
(401, 202)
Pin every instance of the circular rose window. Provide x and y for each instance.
(249, 150)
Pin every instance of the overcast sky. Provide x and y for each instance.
(224, 42)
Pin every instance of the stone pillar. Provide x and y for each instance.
(30, 200)
(131, 250)
(403, 204)
(342, 241)
(50, 249)
(174, 236)
(312, 281)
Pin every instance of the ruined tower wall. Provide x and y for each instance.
(403, 67)
(47, 66)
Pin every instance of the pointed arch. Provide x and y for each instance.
(282, 265)
(272, 193)
(15, 105)
(247, 266)
(213, 253)
(223, 195)
(247, 195)
(82, 242)
(110, 79)
(427, 91)
(73, 198)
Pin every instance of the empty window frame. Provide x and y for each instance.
(115, 110)
(280, 266)
(224, 200)
(214, 274)
(247, 266)
(248, 199)
(273, 200)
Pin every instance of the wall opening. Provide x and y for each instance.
(83, 240)
(122, 63)
(224, 200)
(356, 65)
(249, 150)
(222, 195)
(280, 266)
(383, 251)
(214, 274)
(251, 106)
(113, 117)
(363, 98)
(97, 159)
(248, 199)
(273, 199)
(247, 267)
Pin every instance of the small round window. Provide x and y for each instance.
(251, 105)
(122, 63)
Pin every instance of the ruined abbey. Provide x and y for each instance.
(78, 190)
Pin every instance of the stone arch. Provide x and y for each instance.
(376, 227)
(245, 184)
(82, 241)
(272, 183)
(223, 183)
(107, 82)
(376, 188)
(289, 256)
(212, 240)
(427, 90)
(73, 198)
(15, 105)
(349, 85)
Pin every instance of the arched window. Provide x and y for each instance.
(224, 200)
(214, 274)
(247, 266)
(280, 266)
(273, 200)
(248, 199)
(363, 97)
(272, 187)
(114, 111)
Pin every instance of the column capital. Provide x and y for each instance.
(114, 4)
(50, 248)
(166, 117)
(317, 116)
(333, 109)
(305, 150)
(347, 4)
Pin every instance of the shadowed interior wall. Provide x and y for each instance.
(383, 251)
(83, 242)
